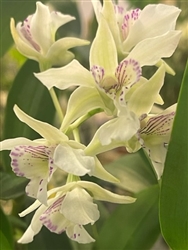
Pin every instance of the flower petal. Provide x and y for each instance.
(73, 74)
(37, 188)
(58, 19)
(97, 6)
(157, 154)
(22, 44)
(29, 161)
(8, 144)
(152, 46)
(46, 130)
(53, 219)
(110, 16)
(103, 49)
(154, 20)
(30, 209)
(128, 73)
(58, 55)
(101, 173)
(40, 27)
(34, 227)
(156, 135)
(73, 161)
(102, 194)
(77, 107)
(79, 234)
(118, 129)
(138, 102)
(78, 207)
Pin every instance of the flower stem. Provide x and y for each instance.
(76, 134)
(55, 100)
(72, 178)
(80, 120)
(56, 104)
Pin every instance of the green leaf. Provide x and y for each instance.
(133, 226)
(11, 186)
(47, 240)
(133, 171)
(33, 98)
(6, 241)
(174, 189)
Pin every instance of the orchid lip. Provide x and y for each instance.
(127, 73)
(128, 20)
(26, 32)
(158, 125)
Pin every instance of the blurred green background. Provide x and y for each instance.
(25, 84)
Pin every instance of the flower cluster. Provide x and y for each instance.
(125, 41)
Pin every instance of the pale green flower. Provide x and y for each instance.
(135, 26)
(35, 37)
(153, 136)
(70, 209)
(37, 160)
(107, 80)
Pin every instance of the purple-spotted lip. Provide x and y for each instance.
(24, 156)
(158, 125)
(127, 73)
(124, 74)
(119, 9)
(128, 20)
(25, 29)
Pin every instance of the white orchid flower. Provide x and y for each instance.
(107, 80)
(35, 37)
(38, 159)
(70, 209)
(129, 28)
(153, 136)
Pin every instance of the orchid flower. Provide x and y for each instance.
(107, 80)
(70, 209)
(37, 160)
(35, 37)
(135, 26)
(153, 136)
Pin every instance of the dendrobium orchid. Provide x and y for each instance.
(153, 136)
(38, 159)
(35, 37)
(70, 209)
(107, 79)
(135, 26)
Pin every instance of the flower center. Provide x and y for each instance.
(126, 75)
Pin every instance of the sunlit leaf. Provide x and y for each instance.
(133, 226)
(174, 189)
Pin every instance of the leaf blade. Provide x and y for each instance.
(174, 195)
(130, 226)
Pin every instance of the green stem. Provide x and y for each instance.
(76, 134)
(56, 104)
(80, 120)
(55, 100)
(71, 178)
